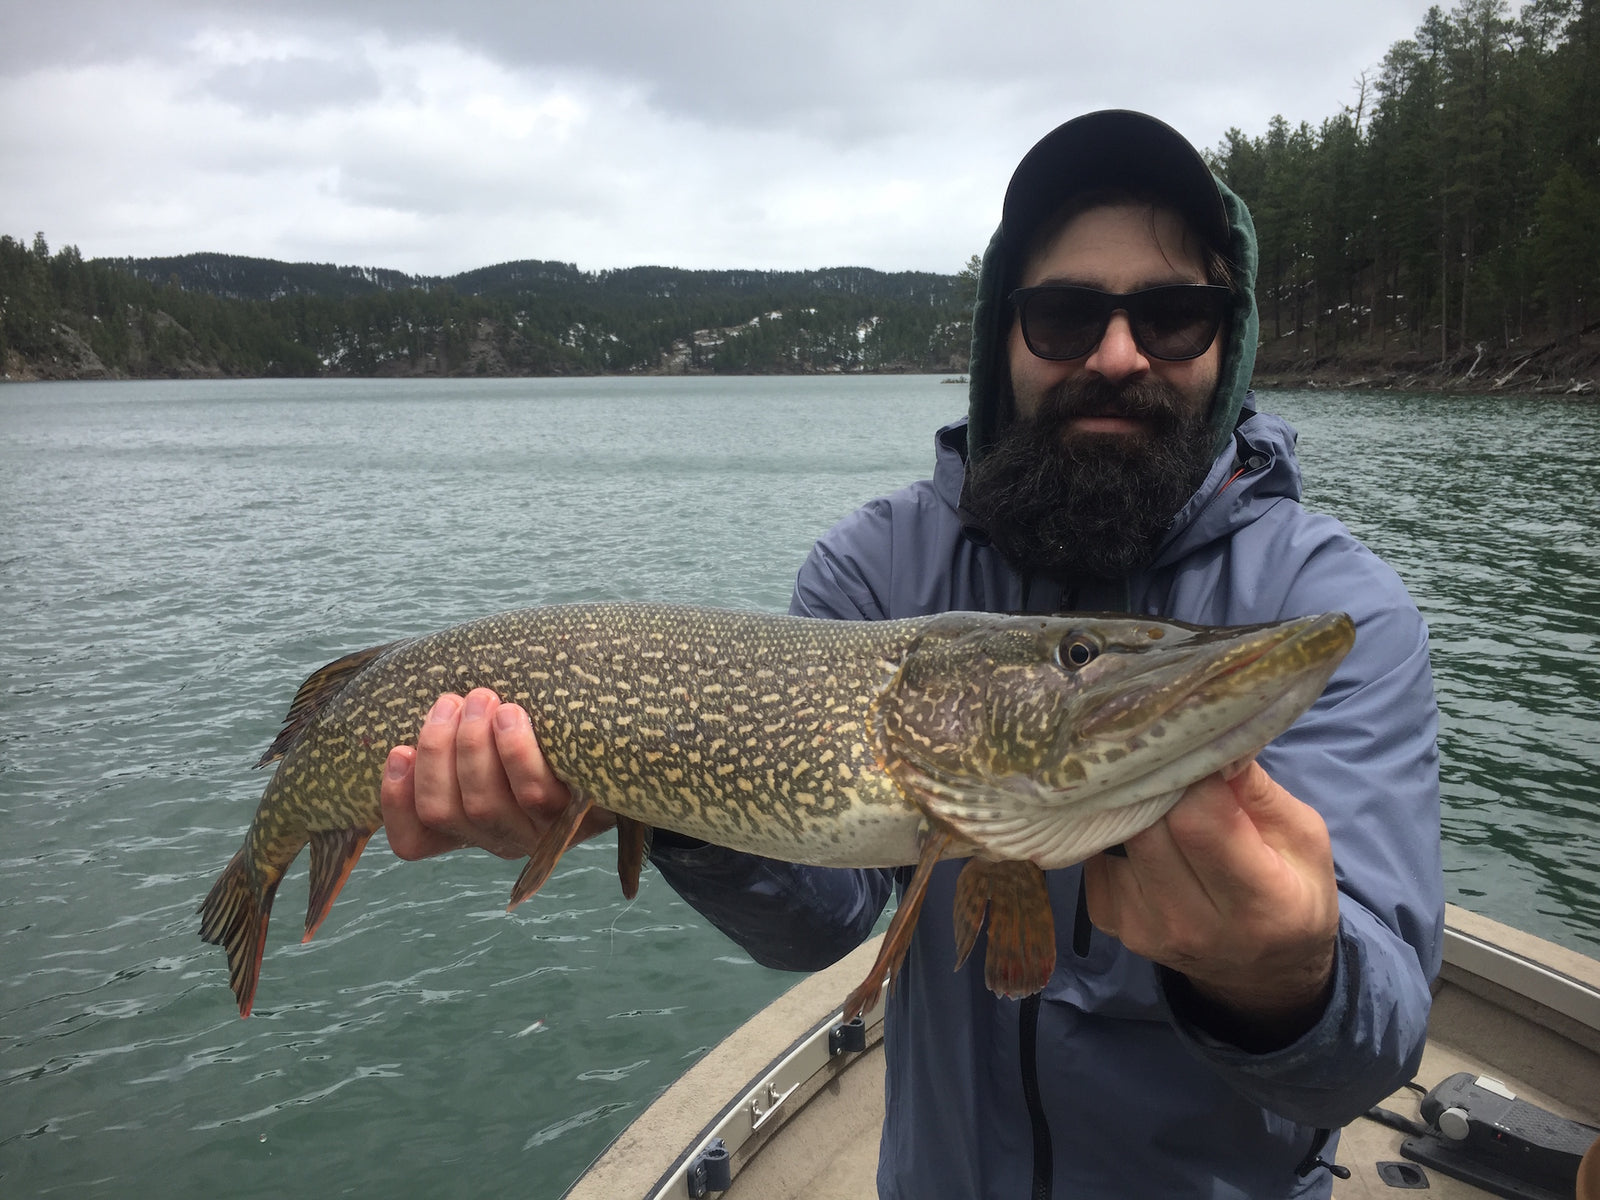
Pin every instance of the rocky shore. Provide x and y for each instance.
(1568, 366)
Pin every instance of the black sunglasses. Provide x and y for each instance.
(1173, 323)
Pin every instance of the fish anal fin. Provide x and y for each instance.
(333, 855)
(541, 864)
(234, 916)
(1022, 931)
(320, 686)
(633, 843)
(897, 939)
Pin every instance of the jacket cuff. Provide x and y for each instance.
(1186, 1008)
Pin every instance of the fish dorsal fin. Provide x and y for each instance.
(320, 686)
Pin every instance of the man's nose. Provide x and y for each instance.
(1117, 356)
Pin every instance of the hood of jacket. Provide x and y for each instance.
(988, 371)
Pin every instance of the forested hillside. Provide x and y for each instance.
(215, 314)
(1450, 214)
(1442, 229)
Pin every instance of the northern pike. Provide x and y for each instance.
(1024, 743)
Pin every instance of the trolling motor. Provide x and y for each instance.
(1479, 1131)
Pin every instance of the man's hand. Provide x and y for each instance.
(476, 777)
(1235, 890)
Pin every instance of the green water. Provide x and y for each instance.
(174, 558)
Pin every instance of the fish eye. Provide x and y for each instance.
(1076, 652)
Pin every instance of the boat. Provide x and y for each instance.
(1505, 1103)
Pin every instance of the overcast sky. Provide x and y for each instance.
(434, 137)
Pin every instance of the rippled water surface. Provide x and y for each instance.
(174, 558)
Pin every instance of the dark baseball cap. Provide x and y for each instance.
(1113, 148)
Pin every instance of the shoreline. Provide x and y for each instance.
(1336, 381)
(1568, 368)
(1577, 387)
(1568, 365)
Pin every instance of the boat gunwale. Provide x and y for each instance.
(1491, 960)
(1498, 963)
(739, 1124)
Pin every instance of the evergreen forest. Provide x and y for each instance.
(1451, 212)
(1443, 227)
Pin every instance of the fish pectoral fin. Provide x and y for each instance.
(333, 855)
(555, 843)
(1022, 931)
(897, 940)
(633, 844)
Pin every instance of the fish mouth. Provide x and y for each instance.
(1211, 705)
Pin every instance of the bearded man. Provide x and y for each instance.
(1253, 971)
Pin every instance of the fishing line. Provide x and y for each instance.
(612, 930)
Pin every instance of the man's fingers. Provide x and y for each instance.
(1247, 833)
(476, 777)
(460, 793)
(408, 837)
(1283, 821)
(532, 782)
(1135, 898)
(438, 797)
(1234, 887)
(541, 795)
(488, 804)
(1176, 882)
(1103, 892)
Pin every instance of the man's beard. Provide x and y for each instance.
(1063, 505)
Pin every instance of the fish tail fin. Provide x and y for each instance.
(555, 843)
(234, 916)
(333, 855)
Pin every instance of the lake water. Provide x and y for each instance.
(176, 557)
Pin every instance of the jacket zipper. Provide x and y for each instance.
(1028, 1032)
(1028, 1018)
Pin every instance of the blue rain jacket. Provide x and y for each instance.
(1105, 1086)
(1132, 1098)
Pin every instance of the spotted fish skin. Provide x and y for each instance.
(835, 743)
(746, 729)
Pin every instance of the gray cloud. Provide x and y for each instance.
(437, 137)
(846, 65)
(293, 86)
